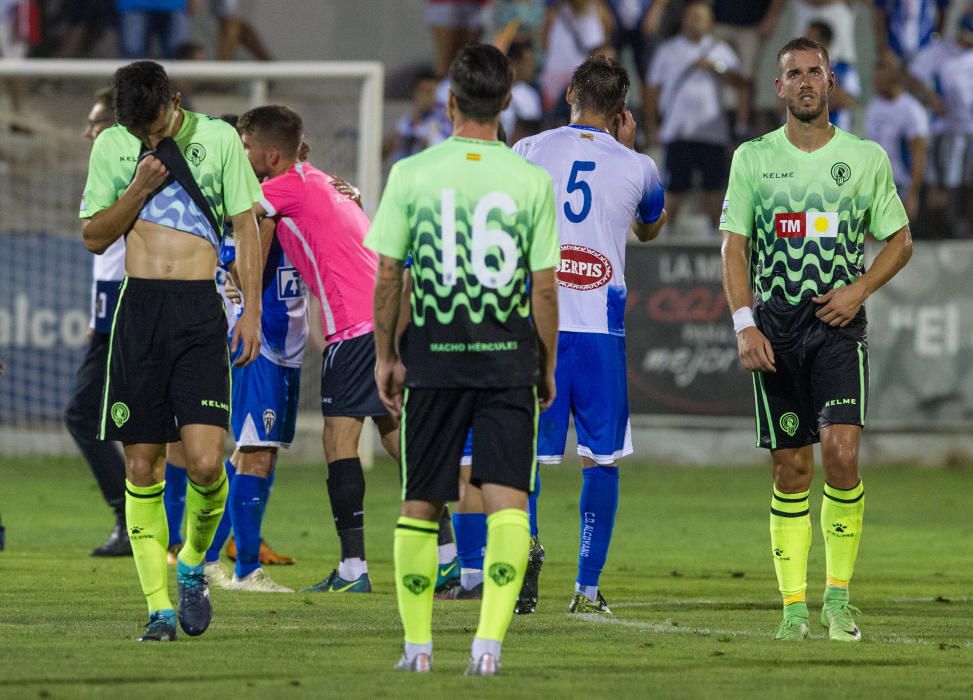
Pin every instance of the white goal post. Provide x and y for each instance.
(259, 74)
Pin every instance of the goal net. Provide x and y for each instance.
(45, 286)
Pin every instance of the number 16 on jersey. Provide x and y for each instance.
(484, 238)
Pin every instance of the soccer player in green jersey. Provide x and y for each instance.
(166, 179)
(479, 350)
(799, 204)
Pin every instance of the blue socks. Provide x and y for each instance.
(470, 531)
(174, 501)
(532, 504)
(246, 504)
(223, 530)
(599, 500)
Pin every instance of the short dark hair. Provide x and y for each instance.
(480, 78)
(600, 84)
(276, 125)
(802, 43)
(140, 90)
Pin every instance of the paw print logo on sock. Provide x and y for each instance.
(779, 554)
(136, 530)
(840, 529)
(502, 574)
(415, 583)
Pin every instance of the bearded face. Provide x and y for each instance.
(805, 83)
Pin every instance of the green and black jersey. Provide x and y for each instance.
(477, 219)
(807, 214)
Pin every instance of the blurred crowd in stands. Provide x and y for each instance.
(694, 67)
(694, 63)
(130, 28)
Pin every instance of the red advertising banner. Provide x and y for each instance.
(682, 351)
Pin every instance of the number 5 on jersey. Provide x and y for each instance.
(484, 238)
(576, 185)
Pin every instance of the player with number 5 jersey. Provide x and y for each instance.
(601, 185)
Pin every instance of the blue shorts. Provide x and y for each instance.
(592, 386)
(265, 404)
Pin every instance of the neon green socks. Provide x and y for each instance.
(416, 558)
(508, 544)
(204, 508)
(148, 532)
(841, 522)
(790, 539)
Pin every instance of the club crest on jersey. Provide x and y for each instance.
(269, 419)
(582, 268)
(289, 283)
(809, 224)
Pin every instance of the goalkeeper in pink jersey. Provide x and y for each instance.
(321, 231)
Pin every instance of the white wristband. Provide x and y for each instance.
(742, 319)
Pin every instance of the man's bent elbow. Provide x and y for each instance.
(93, 244)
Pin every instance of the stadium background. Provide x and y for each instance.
(690, 398)
(690, 577)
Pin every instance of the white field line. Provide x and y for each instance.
(751, 603)
(667, 627)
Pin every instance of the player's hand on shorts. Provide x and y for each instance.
(245, 342)
(546, 391)
(756, 353)
(624, 130)
(840, 305)
(390, 379)
(149, 175)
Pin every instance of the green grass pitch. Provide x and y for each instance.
(689, 576)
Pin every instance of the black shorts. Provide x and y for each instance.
(683, 158)
(433, 431)
(348, 379)
(821, 380)
(168, 362)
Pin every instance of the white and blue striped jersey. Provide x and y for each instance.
(284, 321)
(600, 186)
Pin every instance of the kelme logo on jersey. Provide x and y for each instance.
(808, 224)
(583, 268)
(789, 422)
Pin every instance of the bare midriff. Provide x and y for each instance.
(153, 251)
